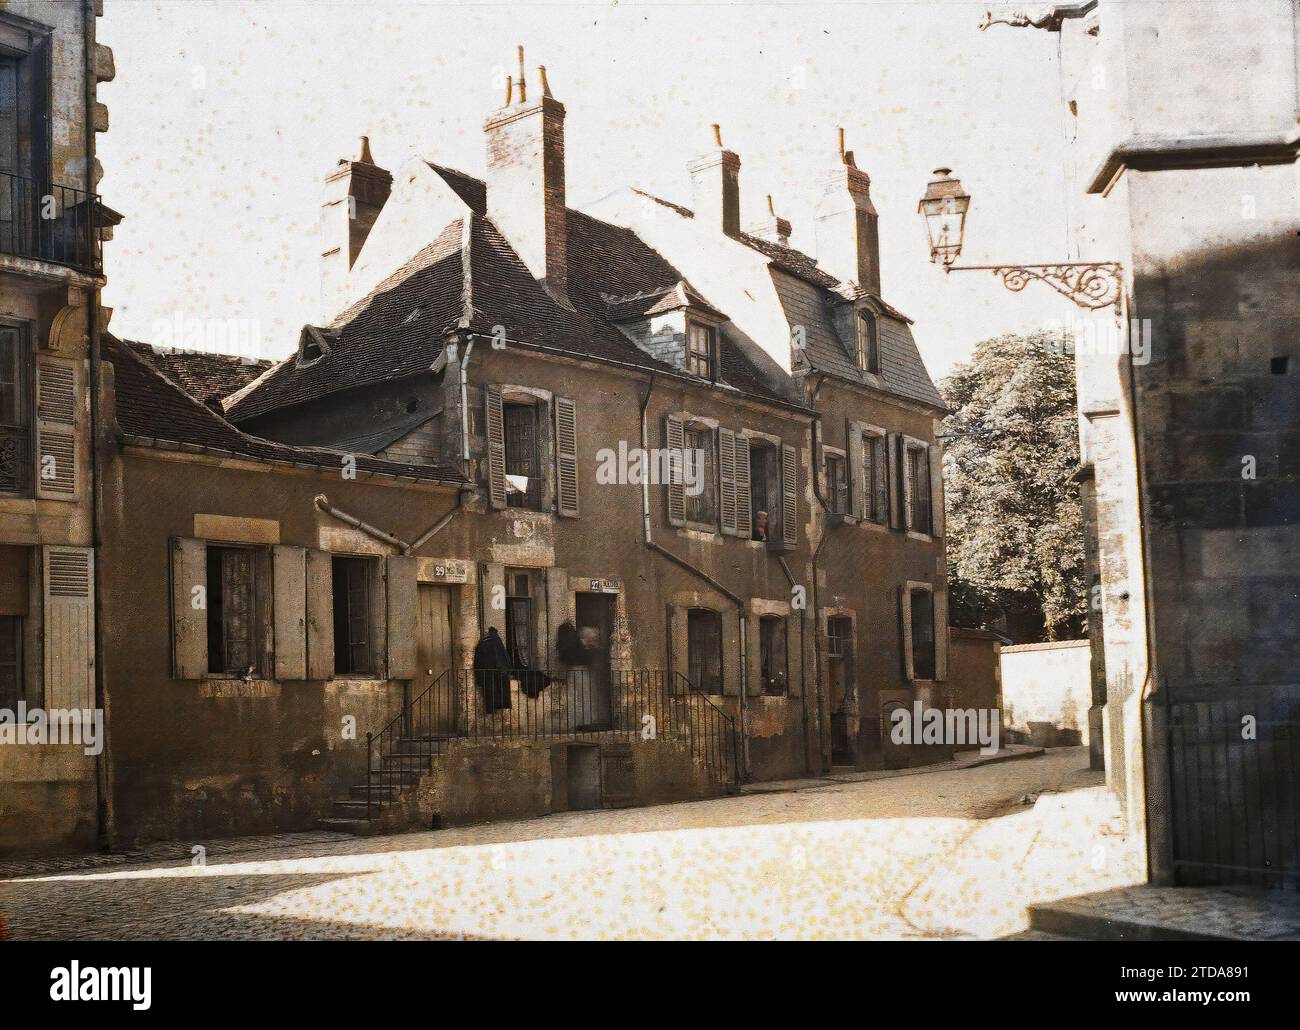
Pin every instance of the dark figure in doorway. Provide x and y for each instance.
(492, 671)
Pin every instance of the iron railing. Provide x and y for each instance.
(48, 222)
(642, 705)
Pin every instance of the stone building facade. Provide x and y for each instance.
(51, 224)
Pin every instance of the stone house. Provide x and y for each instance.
(51, 225)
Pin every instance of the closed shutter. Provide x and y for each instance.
(403, 617)
(893, 441)
(879, 470)
(905, 626)
(905, 463)
(858, 486)
(69, 627)
(937, 524)
(727, 480)
(675, 434)
(744, 514)
(941, 634)
(289, 585)
(320, 615)
(789, 495)
(189, 608)
(496, 448)
(566, 456)
(57, 401)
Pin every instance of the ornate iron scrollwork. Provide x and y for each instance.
(1089, 284)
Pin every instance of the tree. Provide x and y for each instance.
(1015, 523)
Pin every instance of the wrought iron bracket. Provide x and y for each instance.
(1090, 284)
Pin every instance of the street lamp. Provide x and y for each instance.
(1090, 284)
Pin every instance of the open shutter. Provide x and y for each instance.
(789, 495)
(320, 615)
(744, 499)
(940, 634)
(496, 448)
(727, 480)
(289, 583)
(69, 627)
(57, 401)
(880, 470)
(189, 608)
(675, 433)
(892, 443)
(936, 490)
(403, 616)
(566, 456)
(905, 625)
(858, 487)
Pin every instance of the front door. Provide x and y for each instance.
(433, 689)
(595, 630)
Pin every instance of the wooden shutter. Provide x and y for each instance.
(58, 398)
(320, 615)
(880, 470)
(189, 559)
(789, 494)
(69, 628)
(892, 443)
(727, 481)
(937, 524)
(905, 463)
(403, 617)
(905, 625)
(289, 588)
(744, 514)
(566, 457)
(940, 606)
(496, 448)
(675, 438)
(858, 487)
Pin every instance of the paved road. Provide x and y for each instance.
(942, 854)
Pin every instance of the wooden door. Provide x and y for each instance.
(434, 686)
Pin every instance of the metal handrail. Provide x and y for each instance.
(48, 222)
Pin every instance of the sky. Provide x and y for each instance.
(226, 116)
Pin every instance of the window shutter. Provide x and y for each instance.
(496, 448)
(289, 584)
(789, 494)
(57, 402)
(727, 481)
(905, 462)
(676, 441)
(566, 456)
(880, 470)
(936, 490)
(189, 623)
(858, 487)
(320, 615)
(69, 627)
(403, 617)
(905, 624)
(744, 514)
(940, 598)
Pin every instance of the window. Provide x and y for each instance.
(11, 661)
(922, 642)
(839, 659)
(698, 476)
(523, 477)
(519, 619)
(232, 612)
(875, 478)
(700, 340)
(704, 650)
(772, 654)
(867, 346)
(837, 485)
(15, 409)
(764, 490)
(918, 476)
(353, 653)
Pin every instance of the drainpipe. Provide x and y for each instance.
(821, 540)
(464, 405)
(735, 599)
(803, 681)
(323, 503)
(437, 527)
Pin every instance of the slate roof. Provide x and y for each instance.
(470, 278)
(202, 374)
(153, 410)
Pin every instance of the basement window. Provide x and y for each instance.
(353, 653)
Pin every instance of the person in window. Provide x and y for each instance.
(760, 526)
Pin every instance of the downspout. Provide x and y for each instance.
(736, 599)
(822, 762)
(323, 503)
(464, 405)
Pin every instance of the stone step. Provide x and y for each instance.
(421, 746)
(359, 792)
(359, 827)
(354, 810)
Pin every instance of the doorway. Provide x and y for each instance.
(435, 715)
(593, 705)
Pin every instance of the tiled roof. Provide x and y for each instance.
(153, 410)
(202, 374)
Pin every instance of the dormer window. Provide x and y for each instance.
(313, 344)
(867, 343)
(701, 347)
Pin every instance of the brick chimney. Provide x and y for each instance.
(847, 225)
(525, 176)
(355, 192)
(715, 187)
(774, 228)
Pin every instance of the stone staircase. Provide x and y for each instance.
(368, 808)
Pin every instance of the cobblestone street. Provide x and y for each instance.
(940, 854)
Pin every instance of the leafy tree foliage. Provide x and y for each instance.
(1015, 524)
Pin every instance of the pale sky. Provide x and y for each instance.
(226, 116)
